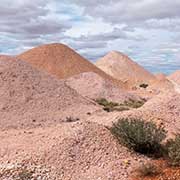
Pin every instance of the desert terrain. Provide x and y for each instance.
(58, 111)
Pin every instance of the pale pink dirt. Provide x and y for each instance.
(123, 68)
(62, 61)
(160, 76)
(165, 109)
(162, 109)
(93, 86)
(161, 85)
(33, 109)
(30, 98)
(73, 151)
(175, 77)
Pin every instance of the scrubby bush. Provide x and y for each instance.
(102, 101)
(108, 106)
(140, 136)
(105, 102)
(148, 169)
(134, 103)
(173, 150)
(143, 85)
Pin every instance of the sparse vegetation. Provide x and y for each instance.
(173, 150)
(115, 108)
(110, 106)
(71, 119)
(143, 137)
(107, 106)
(148, 169)
(25, 174)
(134, 103)
(121, 108)
(105, 102)
(143, 85)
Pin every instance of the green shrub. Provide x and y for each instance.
(105, 102)
(113, 106)
(143, 137)
(108, 106)
(102, 101)
(148, 169)
(173, 151)
(143, 85)
(134, 103)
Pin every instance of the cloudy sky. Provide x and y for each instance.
(146, 30)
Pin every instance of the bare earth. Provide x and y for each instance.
(175, 77)
(71, 151)
(123, 68)
(51, 129)
(30, 98)
(93, 86)
(62, 61)
(162, 109)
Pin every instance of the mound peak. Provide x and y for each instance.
(121, 67)
(62, 61)
(116, 53)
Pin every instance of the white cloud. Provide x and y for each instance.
(130, 10)
(146, 30)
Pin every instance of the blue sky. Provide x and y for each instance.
(146, 30)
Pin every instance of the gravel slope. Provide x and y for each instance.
(93, 86)
(70, 151)
(30, 98)
(123, 68)
(62, 61)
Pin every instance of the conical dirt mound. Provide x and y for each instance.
(31, 98)
(123, 68)
(60, 60)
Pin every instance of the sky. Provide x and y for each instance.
(148, 31)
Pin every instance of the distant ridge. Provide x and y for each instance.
(123, 68)
(62, 61)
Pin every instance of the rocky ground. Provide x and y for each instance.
(52, 129)
(71, 151)
(93, 86)
(31, 98)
